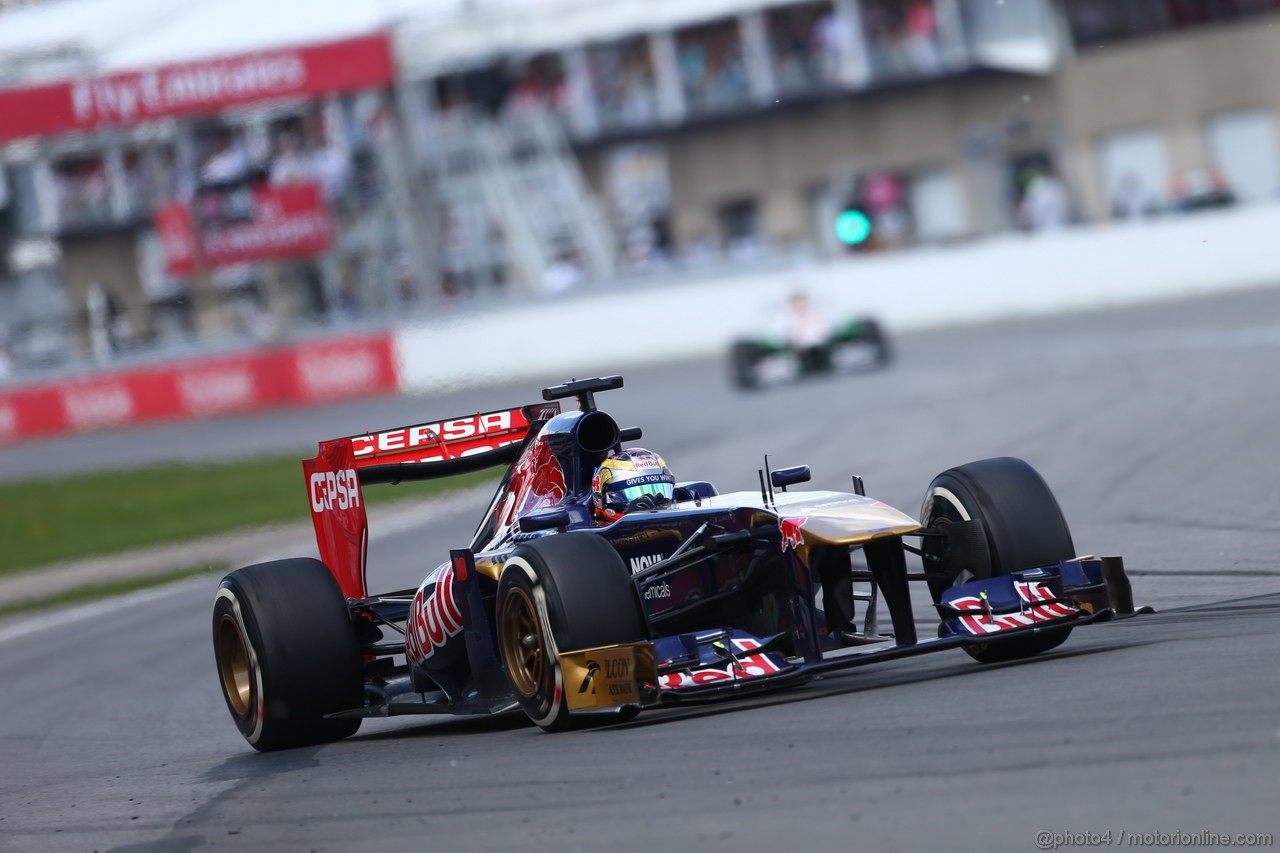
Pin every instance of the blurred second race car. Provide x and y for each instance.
(807, 344)
(854, 345)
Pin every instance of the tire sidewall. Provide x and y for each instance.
(547, 707)
(227, 604)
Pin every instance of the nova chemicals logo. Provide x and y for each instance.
(639, 564)
(662, 590)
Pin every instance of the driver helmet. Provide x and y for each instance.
(631, 480)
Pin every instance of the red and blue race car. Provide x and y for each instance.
(555, 611)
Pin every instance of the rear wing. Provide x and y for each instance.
(446, 448)
(419, 452)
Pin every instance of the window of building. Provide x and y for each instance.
(1095, 22)
(808, 44)
(937, 206)
(1243, 146)
(902, 38)
(540, 84)
(623, 82)
(1135, 172)
(486, 89)
(83, 191)
(740, 227)
(712, 69)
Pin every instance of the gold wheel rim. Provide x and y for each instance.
(234, 665)
(523, 648)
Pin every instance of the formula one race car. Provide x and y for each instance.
(854, 345)
(553, 610)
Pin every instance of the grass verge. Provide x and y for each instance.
(92, 592)
(87, 515)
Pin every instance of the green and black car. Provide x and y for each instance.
(855, 345)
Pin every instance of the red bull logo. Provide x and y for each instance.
(433, 619)
(791, 535)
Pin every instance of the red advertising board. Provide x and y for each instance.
(301, 375)
(193, 88)
(177, 237)
(290, 221)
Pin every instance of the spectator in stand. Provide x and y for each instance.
(703, 250)
(331, 166)
(712, 69)
(692, 60)
(290, 165)
(623, 85)
(542, 86)
(1045, 206)
(227, 163)
(563, 275)
(883, 23)
(731, 78)
(84, 195)
(902, 39)
(922, 38)
(639, 99)
(796, 52)
(1131, 201)
(833, 42)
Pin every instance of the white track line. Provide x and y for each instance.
(394, 521)
(62, 618)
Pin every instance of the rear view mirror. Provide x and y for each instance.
(784, 477)
(544, 519)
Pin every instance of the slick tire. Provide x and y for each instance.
(1024, 528)
(743, 358)
(563, 592)
(875, 335)
(287, 654)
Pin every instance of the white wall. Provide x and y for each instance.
(1243, 145)
(1139, 156)
(1014, 276)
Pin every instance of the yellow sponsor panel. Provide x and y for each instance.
(607, 677)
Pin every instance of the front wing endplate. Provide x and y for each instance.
(607, 677)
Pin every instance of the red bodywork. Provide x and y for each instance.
(337, 511)
(337, 501)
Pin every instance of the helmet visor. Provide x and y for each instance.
(660, 492)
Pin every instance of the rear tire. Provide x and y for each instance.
(1024, 529)
(563, 592)
(287, 654)
(743, 358)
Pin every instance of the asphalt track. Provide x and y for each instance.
(1156, 426)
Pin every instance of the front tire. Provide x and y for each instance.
(287, 654)
(874, 333)
(1023, 526)
(563, 592)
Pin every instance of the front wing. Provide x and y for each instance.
(720, 663)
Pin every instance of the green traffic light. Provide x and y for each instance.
(852, 227)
